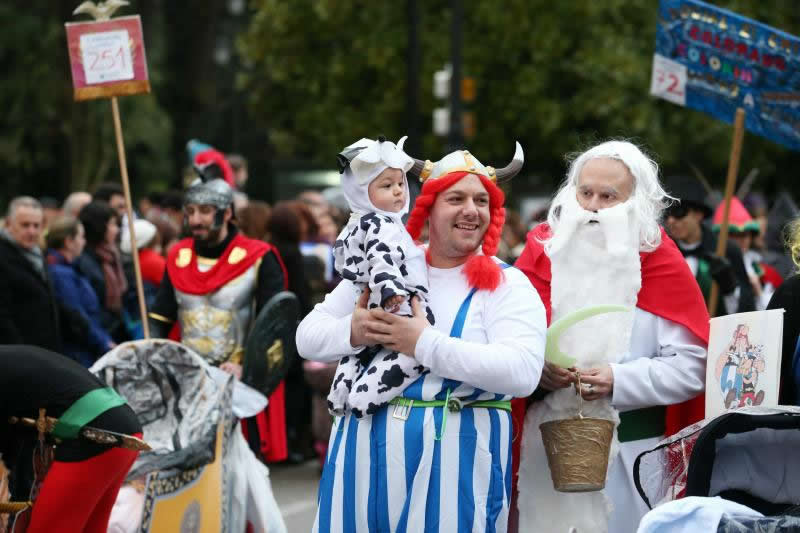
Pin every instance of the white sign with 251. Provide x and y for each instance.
(106, 56)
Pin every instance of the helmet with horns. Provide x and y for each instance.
(463, 161)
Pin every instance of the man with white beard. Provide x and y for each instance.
(603, 245)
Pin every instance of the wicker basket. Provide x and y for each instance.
(577, 452)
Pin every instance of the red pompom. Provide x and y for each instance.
(483, 273)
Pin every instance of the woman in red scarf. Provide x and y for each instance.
(100, 263)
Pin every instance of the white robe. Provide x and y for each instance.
(665, 365)
(653, 361)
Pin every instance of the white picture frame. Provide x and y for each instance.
(744, 361)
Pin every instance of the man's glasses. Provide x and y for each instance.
(676, 210)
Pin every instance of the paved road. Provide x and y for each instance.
(295, 489)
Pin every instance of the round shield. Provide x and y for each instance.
(270, 346)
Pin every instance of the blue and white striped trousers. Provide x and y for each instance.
(384, 474)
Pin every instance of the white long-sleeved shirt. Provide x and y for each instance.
(666, 365)
(500, 351)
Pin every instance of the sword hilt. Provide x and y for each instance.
(14, 507)
(45, 424)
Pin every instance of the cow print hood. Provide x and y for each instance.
(370, 159)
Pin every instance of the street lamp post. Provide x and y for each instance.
(455, 138)
(412, 108)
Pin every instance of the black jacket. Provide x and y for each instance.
(29, 312)
(787, 297)
(298, 282)
(736, 267)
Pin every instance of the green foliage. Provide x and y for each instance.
(319, 74)
(318, 84)
(556, 76)
(50, 145)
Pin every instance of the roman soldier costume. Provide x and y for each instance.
(214, 291)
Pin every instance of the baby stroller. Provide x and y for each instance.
(748, 456)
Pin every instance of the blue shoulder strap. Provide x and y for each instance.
(461, 316)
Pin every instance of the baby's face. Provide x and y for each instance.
(387, 192)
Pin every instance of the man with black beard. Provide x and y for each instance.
(602, 244)
(211, 281)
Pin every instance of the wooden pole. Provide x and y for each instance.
(730, 185)
(123, 166)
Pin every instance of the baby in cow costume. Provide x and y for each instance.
(375, 251)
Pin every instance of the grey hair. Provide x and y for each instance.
(649, 197)
(22, 201)
(75, 202)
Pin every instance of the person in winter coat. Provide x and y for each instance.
(65, 242)
(29, 310)
(100, 262)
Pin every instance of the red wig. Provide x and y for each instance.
(481, 270)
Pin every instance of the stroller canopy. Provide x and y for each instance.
(749, 456)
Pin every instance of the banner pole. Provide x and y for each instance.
(123, 166)
(730, 185)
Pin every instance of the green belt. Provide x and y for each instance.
(642, 423)
(453, 405)
(85, 409)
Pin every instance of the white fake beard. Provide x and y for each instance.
(591, 264)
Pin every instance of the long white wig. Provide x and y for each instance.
(648, 198)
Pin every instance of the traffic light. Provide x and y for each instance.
(468, 126)
(468, 89)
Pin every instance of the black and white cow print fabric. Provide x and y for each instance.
(376, 252)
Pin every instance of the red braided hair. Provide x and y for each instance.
(481, 270)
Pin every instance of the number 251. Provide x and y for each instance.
(107, 59)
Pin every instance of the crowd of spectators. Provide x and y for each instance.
(67, 271)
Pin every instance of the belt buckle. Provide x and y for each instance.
(454, 405)
(402, 410)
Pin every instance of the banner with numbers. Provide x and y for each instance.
(714, 60)
(107, 58)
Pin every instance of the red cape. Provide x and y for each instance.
(668, 290)
(239, 256)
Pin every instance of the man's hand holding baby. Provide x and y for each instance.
(398, 333)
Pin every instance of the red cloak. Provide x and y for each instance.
(668, 290)
(239, 256)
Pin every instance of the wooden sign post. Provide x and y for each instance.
(107, 59)
(730, 186)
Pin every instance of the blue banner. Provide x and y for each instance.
(714, 60)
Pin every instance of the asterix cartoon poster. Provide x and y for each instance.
(744, 361)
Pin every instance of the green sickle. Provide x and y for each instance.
(552, 354)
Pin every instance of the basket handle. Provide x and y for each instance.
(578, 392)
